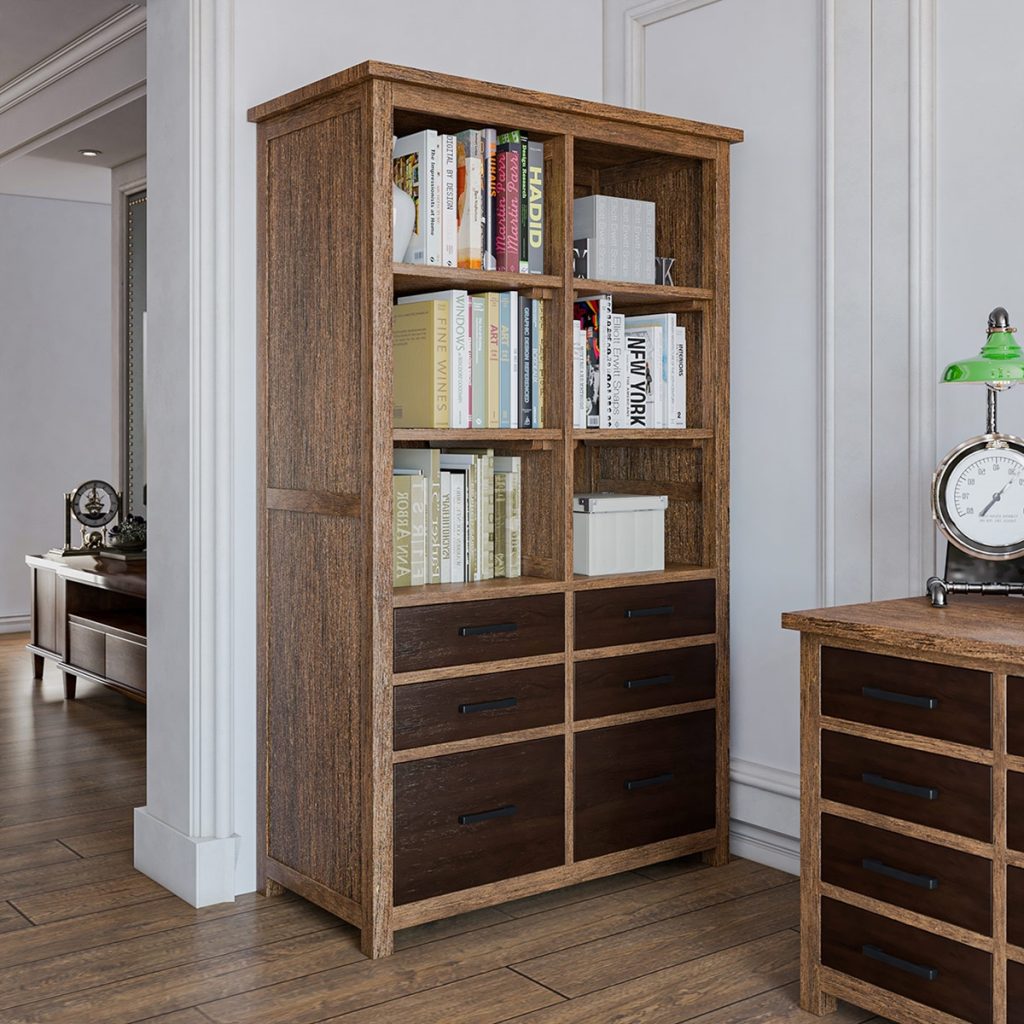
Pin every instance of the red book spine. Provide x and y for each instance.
(508, 210)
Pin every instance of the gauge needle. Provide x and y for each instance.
(995, 498)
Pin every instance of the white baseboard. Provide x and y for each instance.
(765, 824)
(15, 623)
(200, 871)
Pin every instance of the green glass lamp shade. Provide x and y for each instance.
(1000, 363)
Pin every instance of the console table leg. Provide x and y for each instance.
(38, 663)
(70, 682)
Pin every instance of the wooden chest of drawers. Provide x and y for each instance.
(912, 845)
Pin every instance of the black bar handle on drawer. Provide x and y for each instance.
(918, 970)
(654, 780)
(881, 868)
(892, 697)
(639, 684)
(881, 782)
(499, 812)
(488, 705)
(496, 627)
(644, 613)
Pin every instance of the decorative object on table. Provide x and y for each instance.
(618, 533)
(94, 505)
(581, 248)
(663, 270)
(978, 488)
(129, 535)
(621, 234)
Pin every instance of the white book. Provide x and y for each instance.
(677, 385)
(613, 375)
(639, 352)
(458, 499)
(411, 158)
(666, 324)
(467, 463)
(460, 352)
(449, 202)
(579, 376)
(648, 254)
(435, 175)
(420, 561)
(512, 466)
(659, 377)
(446, 527)
(515, 339)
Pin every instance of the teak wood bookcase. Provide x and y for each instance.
(380, 801)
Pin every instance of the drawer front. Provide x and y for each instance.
(1015, 907)
(629, 615)
(1014, 992)
(459, 709)
(910, 873)
(467, 631)
(1015, 811)
(642, 783)
(126, 662)
(1015, 714)
(912, 696)
(468, 819)
(945, 975)
(941, 792)
(612, 686)
(87, 648)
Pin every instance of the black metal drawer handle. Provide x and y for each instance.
(499, 812)
(881, 868)
(892, 697)
(918, 970)
(654, 780)
(488, 705)
(643, 613)
(639, 684)
(881, 782)
(497, 627)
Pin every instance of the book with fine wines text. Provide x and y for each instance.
(420, 336)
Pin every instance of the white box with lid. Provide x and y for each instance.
(614, 533)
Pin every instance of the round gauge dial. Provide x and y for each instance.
(94, 503)
(978, 496)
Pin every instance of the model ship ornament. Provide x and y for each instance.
(978, 488)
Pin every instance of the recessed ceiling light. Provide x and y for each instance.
(90, 152)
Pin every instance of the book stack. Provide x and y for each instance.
(618, 236)
(628, 371)
(456, 516)
(479, 198)
(466, 360)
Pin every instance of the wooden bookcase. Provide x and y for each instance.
(375, 791)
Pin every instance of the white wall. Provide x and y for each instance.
(55, 366)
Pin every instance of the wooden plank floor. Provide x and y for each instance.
(85, 939)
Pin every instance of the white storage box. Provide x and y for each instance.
(618, 533)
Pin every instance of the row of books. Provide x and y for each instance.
(614, 238)
(466, 360)
(456, 516)
(479, 198)
(628, 371)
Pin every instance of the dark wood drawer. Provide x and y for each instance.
(458, 709)
(941, 792)
(1015, 906)
(1015, 811)
(630, 615)
(642, 783)
(126, 662)
(1015, 714)
(1014, 992)
(945, 975)
(910, 873)
(611, 686)
(87, 648)
(436, 635)
(912, 696)
(468, 819)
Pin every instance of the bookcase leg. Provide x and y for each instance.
(38, 662)
(812, 999)
(718, 856)
(272, 888)
(377, 942)
(70, 684)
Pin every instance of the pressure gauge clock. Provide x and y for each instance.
(978, 496)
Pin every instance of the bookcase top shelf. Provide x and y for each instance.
(638, 294)
(415, 277)
(398, 75)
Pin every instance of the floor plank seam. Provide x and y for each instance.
(553, 991)
(19, 913)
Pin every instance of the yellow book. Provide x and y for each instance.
(420, 331)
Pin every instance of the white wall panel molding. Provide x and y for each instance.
(765, 824)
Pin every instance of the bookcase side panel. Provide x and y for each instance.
(316, 427)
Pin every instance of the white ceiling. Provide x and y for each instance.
(32, 30)
(120, 136)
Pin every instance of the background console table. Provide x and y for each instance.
(912, 853)
(89, 616)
